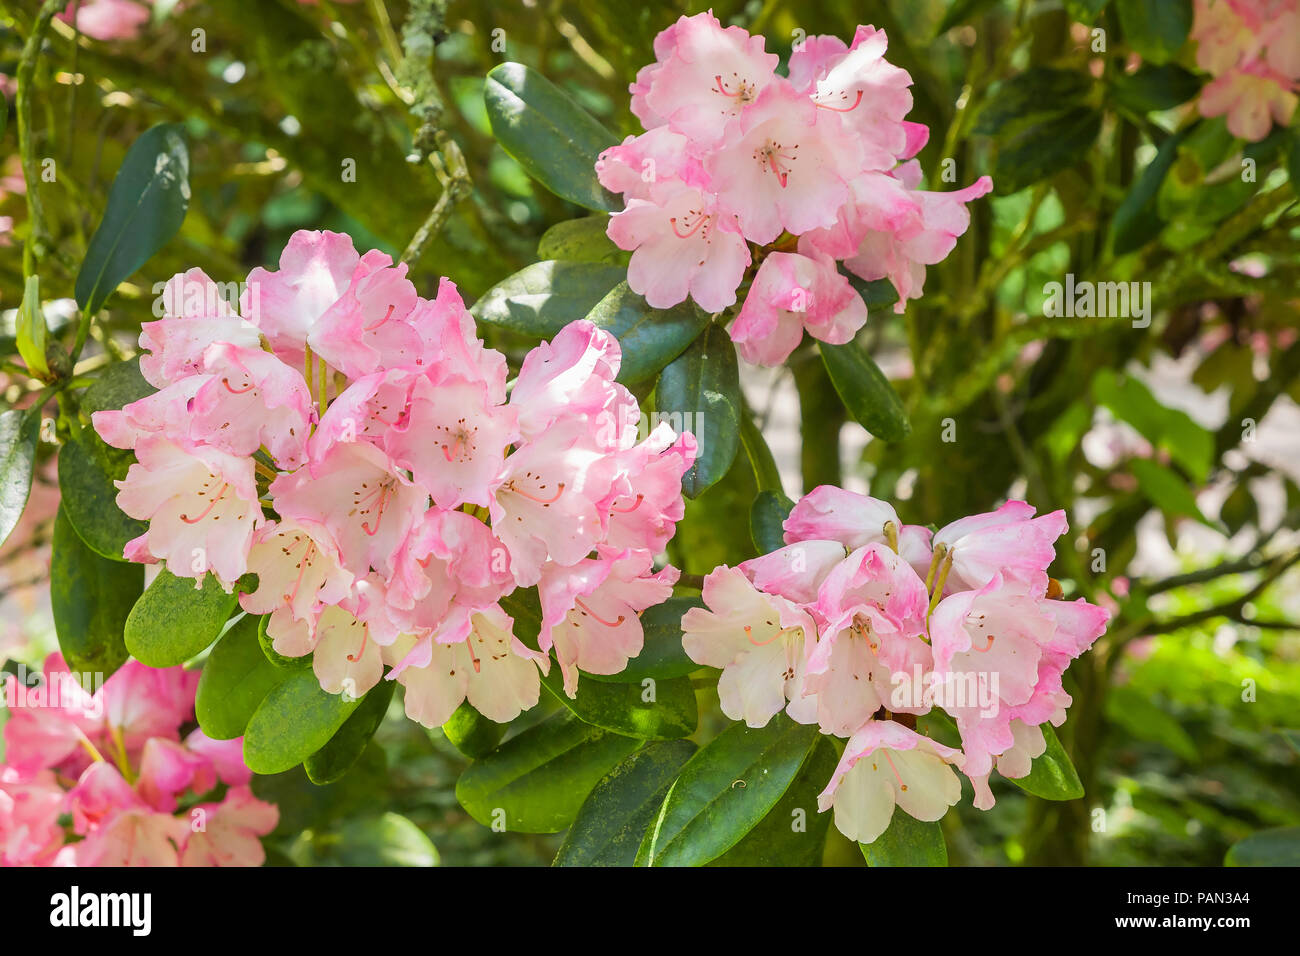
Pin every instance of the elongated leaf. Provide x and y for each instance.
(651, 338)
(146, 207)
(1030, 97)
(345, 747)
(293, 721)
(1155, 28)
(1137, 220)
(544, 297)
(793, 833)
(1154, 88)
(90, 497)
(580, 240)
(471, 733)
(20, 431)
(1052, 775)
(174, 619)
(613, 819)
(271, 654)
(91, 597)
(1042, 149)
(1169, 429)
(650, 709)
(1277, 847)
(907, 842)
(704, 384)
(116, 387)
(725, 790)
(865, 391)
(1166, 490)
(554, 139)
(766, 519)
(536, 781)
(235, 679)
(385, 840)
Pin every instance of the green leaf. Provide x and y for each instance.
(1157, 29)
(613, 819)
(235, 679)
(1170, 429)
(1136, 220)
(1052, 775)
(293, 721)
(864, 390)
(650, 338)
(544, 297)
(907, 842)
(345, 747)
(1029, 98)
(580, 240)
(536, 781)
(662, 656)
(116, 387)
(471, 733)
(91, 597)
(766, 519)
(1043, 149)
(175, 619)
(31, 330)
(385, 840)
(1166, 490)
(554, 139)
(1143, 719)
(703, 386)
(1277, 847)
(273, 656)
(962, 11)
(1154, 88)
(90, 497)
(305, 806)
(650, 709)
(766, 475)
(20, 432)
(793, 833)
(725, 790)
(146, 207)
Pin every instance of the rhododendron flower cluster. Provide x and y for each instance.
(356, 448)
(1252, 48)
(740, 166)
(860, 624)
(105, 778)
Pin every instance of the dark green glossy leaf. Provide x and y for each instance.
(650, 709)
(580, 240)
(866, 393)
(87, 467)
(1043, 149)
(20, 431)
(471, 733)
(704, 384)
(293, 721)
(651, 338)
(554, 139)
(1028, 98)
(544, 297)
(613, 819)
(91, 597)
(385, 840)
(1052, 775)
(1154, 87)
(766, 517)
(793, 833)
(1136, 220)
(271, 654)
(345, 747)
(116, 387)
(725, 790)
(1157, 29)
(907, 842)
(235, 679)
(536, 781)
(175, 619)
(146, 207)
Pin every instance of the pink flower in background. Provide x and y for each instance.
(110, 760)
(1252, 49)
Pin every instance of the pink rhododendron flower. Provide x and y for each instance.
(861, 624)
(1252, 49)
(736, 154)
(110, 762)
(355, 447)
